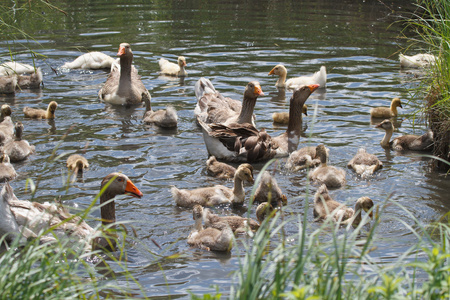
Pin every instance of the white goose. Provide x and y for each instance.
(92, 60)
(320, 78)
(421, 60)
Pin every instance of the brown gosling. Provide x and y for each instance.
(209, 238)
(331, 176)
(36, 113)
(412, 142)
(364, 164)
(223, 170)
(386, 112)
(325, 207)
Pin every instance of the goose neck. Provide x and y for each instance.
(281, 82)
(238, 191)
(108, 210)
(248, 106)
(386, 138)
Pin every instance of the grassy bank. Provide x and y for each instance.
(432, 32)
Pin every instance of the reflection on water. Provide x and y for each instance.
(231, 43)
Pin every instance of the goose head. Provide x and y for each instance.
(118, 184)
(396, 102)
(244, 173)
(386, 125)
(18, 130)
(6, 110)
(52, 107)
(278, 70)
(253, 90)
(181, 61)
(366, 204)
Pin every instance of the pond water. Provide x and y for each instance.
(231, 43)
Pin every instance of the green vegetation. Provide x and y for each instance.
(432, 29)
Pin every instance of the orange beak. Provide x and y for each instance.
(313, 87)
(271, 71)
(121, 51)
(132, 190)
(258, 91)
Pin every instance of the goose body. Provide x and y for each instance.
(27, 76)
(325, 207)
(215, 195)
(212, 107)
(244, 143)
(220, 169)
(269, 191)
(283, 117)
(331, 176)
(320, 78)
(210, 239)
(364, 164)
(6, 124)
(237, 224)
(303, 158)
(166, 118)
(421, 60)
(77, 163)
(92, 60)
(123, 85)
(7, 171)
(406, 142)
(169, 68)
(386, 112)
(8, 84)
(28, 219)
(18, 149)
(37, 113)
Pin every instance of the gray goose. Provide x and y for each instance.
(28, 219)
(123, 85)
(212, 107)
(245, 143)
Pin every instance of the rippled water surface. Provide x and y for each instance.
(231, 43)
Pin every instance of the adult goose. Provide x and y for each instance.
(7, 171)
(92, 60)
(244, 143)
(28, 77)
(325, 207)
(237, 224)
(123, 85)
(169, 68)
(364, 164)
(37, 113)
(215, 195)
(29, 219)
(331, 176)
(210, 239)
(406, 142)
(320, 78)
(421, 60)
(386, 112)
(18, 149)
(165, 118)
(212, 107)
(306, 157)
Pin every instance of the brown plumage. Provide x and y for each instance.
(237, 224)
(406, 142)
(220, 169)
(325, 206)
(212, 107)
(331, 176)
(7, 171)
(165, 118)
(28, 219)
(245, 143)
(302, 158)
(210, 238)
(18, 149)
(37, 113)
(364, 164)
(8, 84)
(269, 191)
(123, 85)
(386, 112)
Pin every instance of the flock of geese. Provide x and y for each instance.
(230, 135)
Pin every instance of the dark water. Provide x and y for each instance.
(231, 43)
